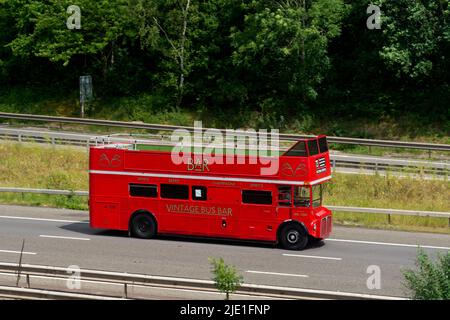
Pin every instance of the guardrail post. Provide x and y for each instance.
(19, 137)
(389, 218)
(125, 288)
(28, 281)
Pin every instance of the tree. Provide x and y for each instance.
(42, 31)
(226, 278)
(178, 17)
(432, 279)
(283, 47)
(416, 34)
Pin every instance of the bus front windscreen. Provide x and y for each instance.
(304, 195)
(317, 195)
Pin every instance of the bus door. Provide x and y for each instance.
(284, 203)
(223, 205)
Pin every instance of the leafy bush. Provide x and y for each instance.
(226, 278)
(432, 279)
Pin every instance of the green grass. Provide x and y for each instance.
(395, 222)
(32, 165)
(388, 192)
(37, 166)
(41, 200)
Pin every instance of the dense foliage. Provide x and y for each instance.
(431, 280)
(277, 57)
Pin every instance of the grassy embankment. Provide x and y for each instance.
(29, 165)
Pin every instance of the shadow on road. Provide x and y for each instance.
(84, 228)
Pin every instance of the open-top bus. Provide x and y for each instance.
(144, 192)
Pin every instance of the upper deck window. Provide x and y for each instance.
(323, 145)
(313, 147)
(298, 150)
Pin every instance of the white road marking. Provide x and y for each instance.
(314, 257)
(42, 219)
(17, 252)
(336, 240)
(279, 274)
(390, 244)
(60, 237)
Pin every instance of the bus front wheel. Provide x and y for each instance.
(293, 237)
(143, 226)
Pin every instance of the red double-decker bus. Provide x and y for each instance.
(146, 193)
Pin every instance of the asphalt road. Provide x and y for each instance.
(59, 237)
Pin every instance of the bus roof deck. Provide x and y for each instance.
(155, 142)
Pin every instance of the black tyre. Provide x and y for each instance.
(316, 242)
(293, 237)
(143, 226)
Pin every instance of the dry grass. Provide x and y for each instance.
(32, 165)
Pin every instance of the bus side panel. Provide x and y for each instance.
(225, 202)
(105, 202)
(258, 222)
(183, 217)
(105, 213)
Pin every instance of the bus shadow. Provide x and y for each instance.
(84, 228)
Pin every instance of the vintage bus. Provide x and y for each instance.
(144, 192)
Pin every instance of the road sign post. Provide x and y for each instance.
(85, 92)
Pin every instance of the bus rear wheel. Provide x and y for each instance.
(293, 237)
(143, 226)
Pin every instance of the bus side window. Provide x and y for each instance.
(174, 191)
(143, 190)
(256, 197)
(199, 193)
(284, 196)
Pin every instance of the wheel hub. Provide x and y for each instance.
(293, 236)
(143, 226)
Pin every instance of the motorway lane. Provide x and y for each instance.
(340, 266)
